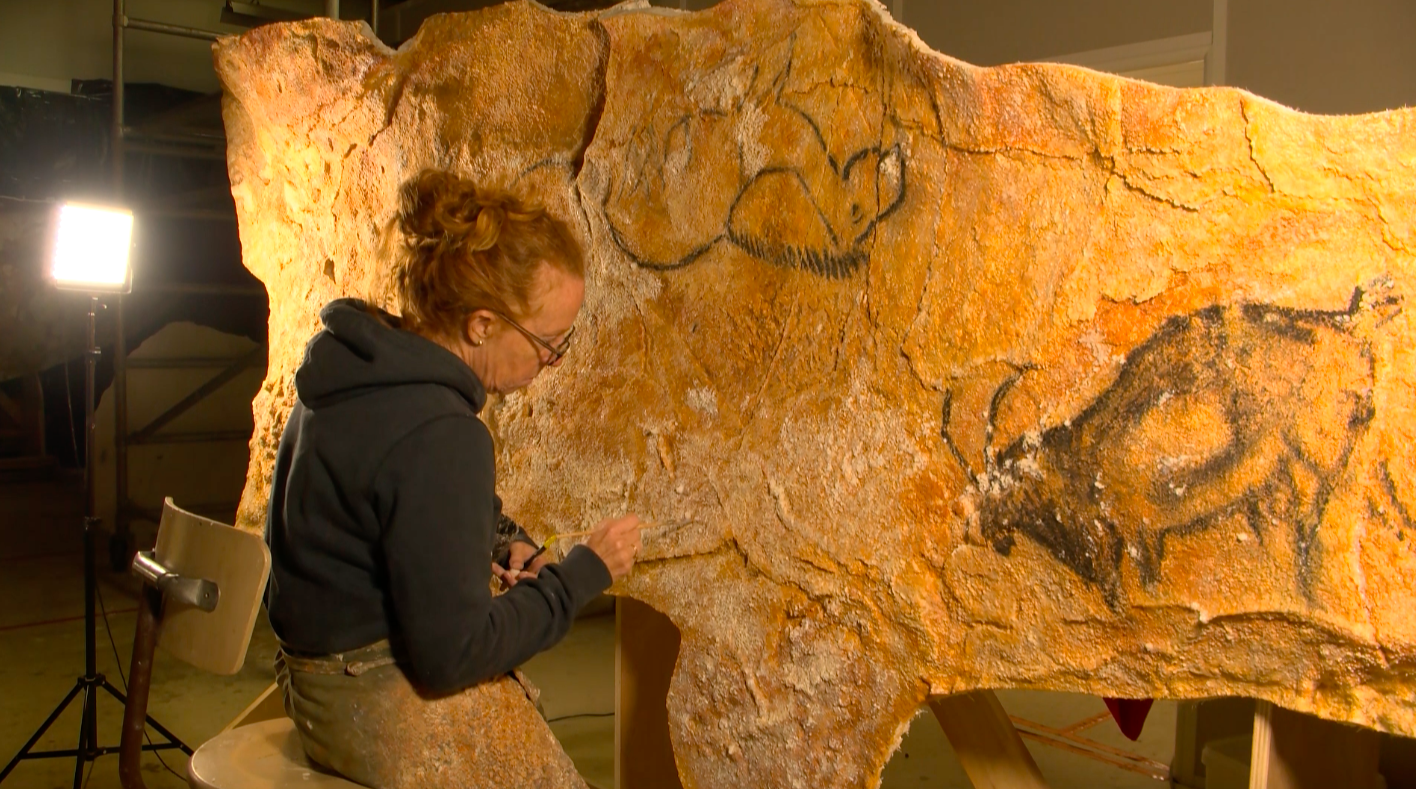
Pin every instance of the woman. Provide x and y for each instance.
(395, 658)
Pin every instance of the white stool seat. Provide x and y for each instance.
(265, 755)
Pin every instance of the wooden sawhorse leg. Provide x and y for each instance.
(646, 647)
(1296, 751)
(989, 748)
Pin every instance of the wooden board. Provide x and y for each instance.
(1296, 751)
(989, 748)
(268, 706)
(238, 562)
(1203, 720)
(22, 417)
(646, 647)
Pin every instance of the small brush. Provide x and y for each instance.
(573, 534)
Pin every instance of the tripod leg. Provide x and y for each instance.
(87, 736)
(44, 727)
(116, 693)
(151, 721)
(172, 738)
(92, 695)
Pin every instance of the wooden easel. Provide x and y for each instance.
(988, 747)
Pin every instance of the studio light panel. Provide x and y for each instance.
(91, 245)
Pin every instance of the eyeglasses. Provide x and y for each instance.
(557, 351)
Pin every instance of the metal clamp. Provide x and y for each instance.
(196, 592)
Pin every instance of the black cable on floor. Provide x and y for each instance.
(581, 715)
(119, 662)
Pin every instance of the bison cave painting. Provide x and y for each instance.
(1227, 412)
(810, 209)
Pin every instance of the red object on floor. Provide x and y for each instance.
(1130, 714)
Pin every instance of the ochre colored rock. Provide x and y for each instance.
(935, 377)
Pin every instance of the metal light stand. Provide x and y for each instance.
(91, 682)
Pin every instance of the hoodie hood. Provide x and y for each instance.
(357, 352)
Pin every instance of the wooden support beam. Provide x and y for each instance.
(22, 416)
(1296, 751)
(646, 648)
(267, 706)
(989, 748)
(11, 409)
(256, 356)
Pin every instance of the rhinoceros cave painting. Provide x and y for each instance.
(939, 377)
(800, 195)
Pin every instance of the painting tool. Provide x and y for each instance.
(667, 525)
(553, 539)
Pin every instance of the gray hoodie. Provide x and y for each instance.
(383, 514)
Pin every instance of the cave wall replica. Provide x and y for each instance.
(933, 377)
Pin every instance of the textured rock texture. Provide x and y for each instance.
(936, 377)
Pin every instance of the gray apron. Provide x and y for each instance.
(359, 716)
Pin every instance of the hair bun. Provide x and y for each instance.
(440, 209)
(486, 226)
(469, 247)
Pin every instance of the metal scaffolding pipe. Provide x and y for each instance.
(177, 152)
(173, 30)
(194, 214)
(188, 137)
(184, 289)
(120, 349)
(119, 17)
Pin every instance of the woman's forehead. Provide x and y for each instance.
(555, 299)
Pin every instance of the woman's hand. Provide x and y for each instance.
(520, 552)
(518, 570)
(616, 542)
(509, 578)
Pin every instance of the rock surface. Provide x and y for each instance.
(934, 377)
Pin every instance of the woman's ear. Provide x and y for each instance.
(478, 327)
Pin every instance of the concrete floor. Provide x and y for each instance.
(42, 651)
